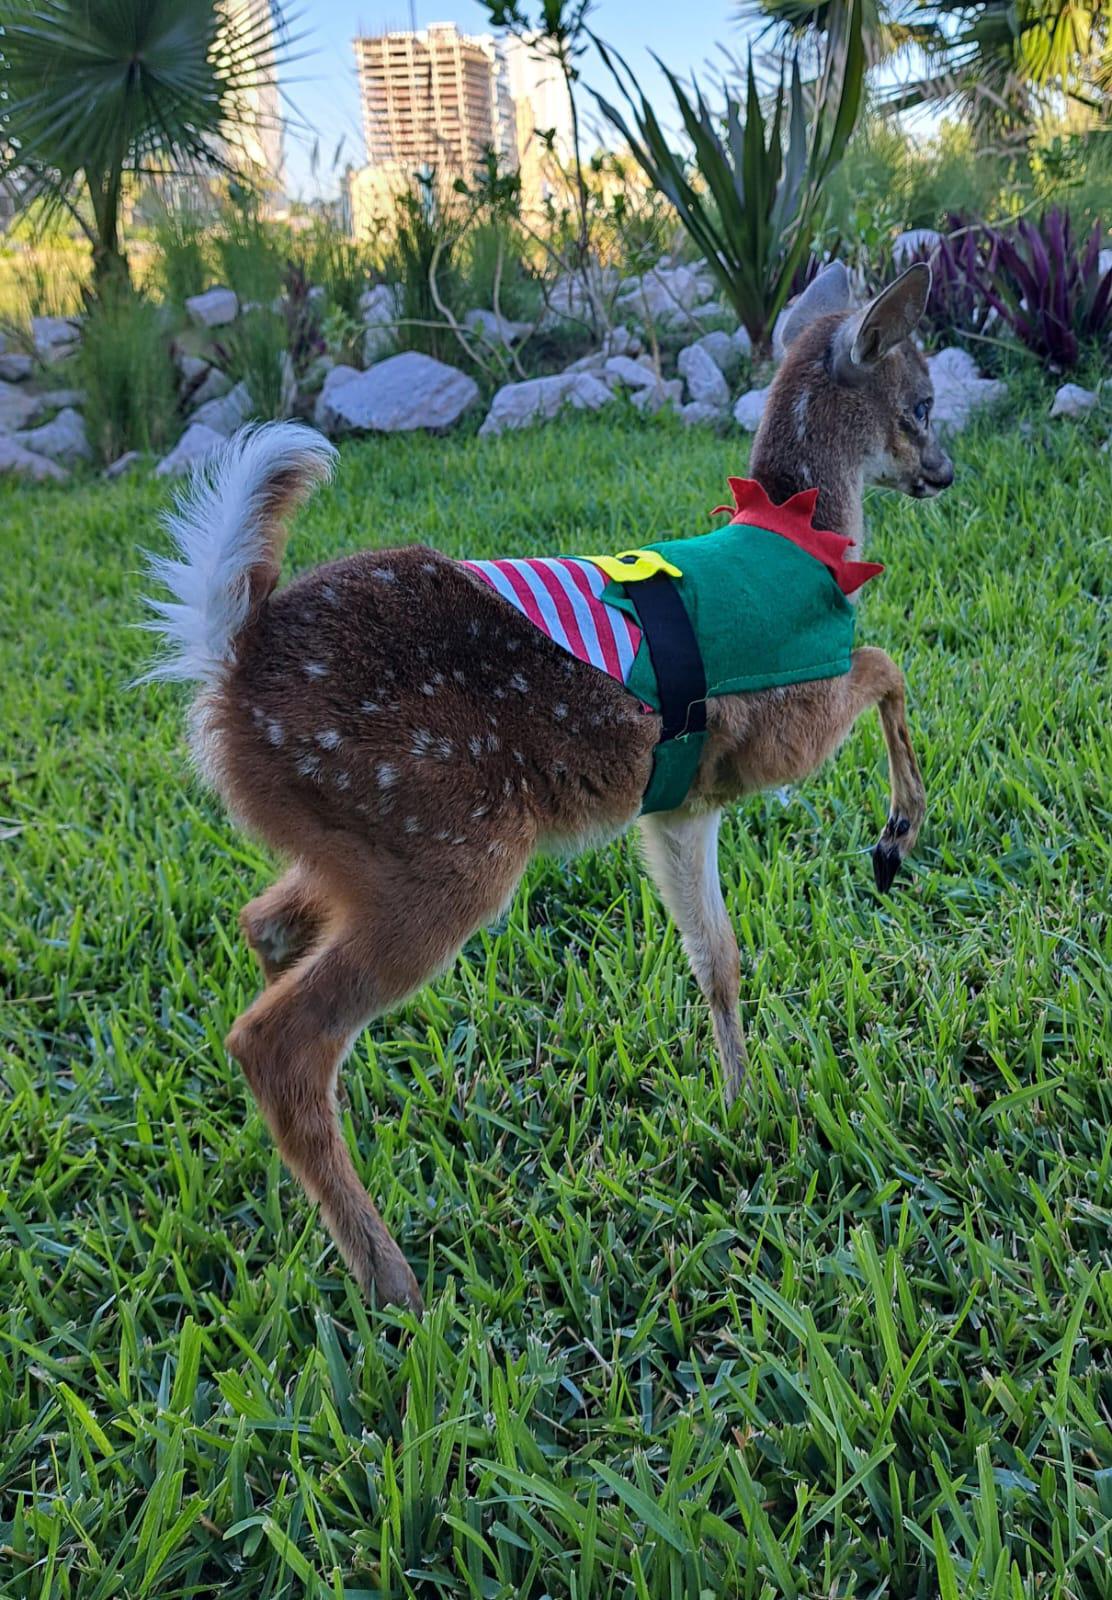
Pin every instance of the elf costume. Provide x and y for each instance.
(758, 603)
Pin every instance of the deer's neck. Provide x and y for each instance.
(841, 494)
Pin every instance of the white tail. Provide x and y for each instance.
(227, 522)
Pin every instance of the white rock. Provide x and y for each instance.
(55, 337)
(380, 309)
(570, 295)
(1104, 262)
(698, 415)
(194, 446)
(723, 350)
(911, 243)
(750, 409)
(705, 383)
(214, 384)
(226, 413)
(63, 439)
(650, 401)
(743, 343)
(212, 309)
(17, 407)
(25, 464)
(621, 341)
(405, 392)
(55, 399)
(495, 329)
(122, 465)
(1073, 401)
(14, 368)
(665, 293)
(634, 374)
(191, 368)
(594, 362)
(959, 389)
(323, 416)
(518, 405)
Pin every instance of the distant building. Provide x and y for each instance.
(258, 142)
(439, 100)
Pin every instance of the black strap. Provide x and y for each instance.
(681, 678)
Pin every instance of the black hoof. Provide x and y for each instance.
(886, 864)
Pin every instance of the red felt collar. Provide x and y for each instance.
(792, 519)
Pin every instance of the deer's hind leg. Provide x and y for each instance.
(283, 922)
(386, 928)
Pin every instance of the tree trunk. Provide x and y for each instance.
(109, 261)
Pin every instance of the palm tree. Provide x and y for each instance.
(93, 92)
(999, 60)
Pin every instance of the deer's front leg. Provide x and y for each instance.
(881, 681)
(682, 856)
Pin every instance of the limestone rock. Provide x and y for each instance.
(959, 389)
(399, 395)
(55, 337)
(633, 374)
(227, 412)
(212, 309)
(63, 439)
(195, 445)
(654, 399)
(495, 329)
(750, 409)
(380, 308)
(26, 464)
(698, 415)
(214, 384)
(1073, 401)
(324, 417)
(912, 243)
(123, 465)
(17, 407)
(705, 383)
(15, 367)
(518, 405)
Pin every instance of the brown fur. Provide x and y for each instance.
(408, 740)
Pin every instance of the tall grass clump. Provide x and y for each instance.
(254, 352)
(422, 258)
(338, 265)
(182, 268)
(127, 372)
(249, 250)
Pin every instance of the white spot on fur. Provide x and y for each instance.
(499, 694)
(428, 566)
(458, 675)
(387, 774)
(315, 669)
(482, 810)
(444, 749)
(411, 825)
(513, 644)
(421, 742)
(493, 743)
(309, 766)
(475, 746)
(370, 707)
(258, 716)
(429, 689)
(384, 574)
(460, 838)
(559, 711)
(799, 412)
(274, 731)
(328, 739)
(519, 758)
(519, 683)
(328, 593)
(343, 780)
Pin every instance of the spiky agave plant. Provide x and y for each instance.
(751, 200)
(93, 92)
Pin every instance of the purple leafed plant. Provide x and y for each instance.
(957, 302)
(1048, 291)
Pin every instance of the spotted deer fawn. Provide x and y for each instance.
(407, 738)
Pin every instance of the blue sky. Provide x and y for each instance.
(686, 34)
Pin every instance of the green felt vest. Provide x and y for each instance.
(764, 612)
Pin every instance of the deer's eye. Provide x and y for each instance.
(922, 412)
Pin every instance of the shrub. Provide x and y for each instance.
(182, 268)
(1048, 290)
(128, 375)
(753, 203)
(250, 251)
(255, 352)
(957, 305)
(421, 259)
(336, 264)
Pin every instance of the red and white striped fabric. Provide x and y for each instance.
(562, 597)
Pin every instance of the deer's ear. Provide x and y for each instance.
(884, 323)
(827, 292)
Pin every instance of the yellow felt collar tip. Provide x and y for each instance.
(632, 566)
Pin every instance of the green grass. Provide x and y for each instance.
(853, 1337)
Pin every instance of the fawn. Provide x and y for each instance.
(407, 739)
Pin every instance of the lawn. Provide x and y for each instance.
(853, 1337)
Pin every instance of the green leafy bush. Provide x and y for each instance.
(255, 352)
(127, 372)
(182, 267)
(250, 251)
